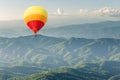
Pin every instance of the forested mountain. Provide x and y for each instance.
(43, 51)
(85, 59)
(106, 70)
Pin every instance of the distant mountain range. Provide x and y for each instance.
(107, 29)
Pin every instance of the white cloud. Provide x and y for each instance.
(96, 13)
(84, 12)
(103, 12)
(59, 12)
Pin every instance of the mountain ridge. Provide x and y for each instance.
(42, 57)
(42, 50)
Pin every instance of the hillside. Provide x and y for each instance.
(41, 58)
(90, 71)
(40, 51)
(116, 77)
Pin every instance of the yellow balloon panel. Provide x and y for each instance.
(35, 10)
(35, 17)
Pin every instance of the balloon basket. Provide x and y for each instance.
(35, 35)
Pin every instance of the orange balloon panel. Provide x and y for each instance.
(35, 17)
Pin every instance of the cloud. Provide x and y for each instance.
(84, 12)
(96, 13)
(103, 12)
(59, 12)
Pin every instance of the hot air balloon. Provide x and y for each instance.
(35, 18)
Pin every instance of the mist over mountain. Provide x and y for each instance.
(108, 29)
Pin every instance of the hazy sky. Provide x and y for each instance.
(14, 9)
(61, 12)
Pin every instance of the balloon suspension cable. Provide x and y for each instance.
(35, 34)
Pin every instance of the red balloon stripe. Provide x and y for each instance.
(35, 25)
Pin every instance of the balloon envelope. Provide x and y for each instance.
(35, 17)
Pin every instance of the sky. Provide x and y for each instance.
(61, 13)
(14, 9)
